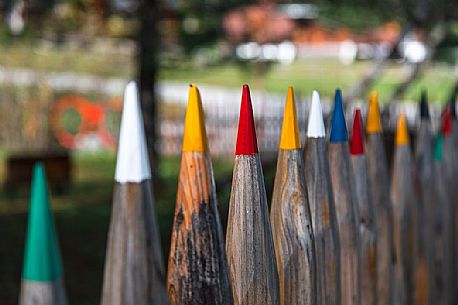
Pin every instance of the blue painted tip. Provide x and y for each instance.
(338, 125)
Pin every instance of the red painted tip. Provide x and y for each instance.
(356, 141)
(247, 143)
(447, 122)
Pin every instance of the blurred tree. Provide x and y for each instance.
(148, 47)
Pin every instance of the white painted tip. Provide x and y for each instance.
(132, 162)
(315, 127)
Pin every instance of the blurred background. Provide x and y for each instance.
(64, 63)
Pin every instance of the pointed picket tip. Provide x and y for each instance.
(452, 105)
(357, 140)
(315, 128)
(247, 143)
(373, 123)
(42, 262)
(195, 135)
(424, 108)
(402, 132)
(338, 124)
(447, 122)
(290, 130)
(438, 147)
(132, 161)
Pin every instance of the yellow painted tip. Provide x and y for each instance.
(373, 124)
(290, 130)
(195, 135)
(402, 133)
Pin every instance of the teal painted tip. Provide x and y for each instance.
(438, 147)
(338, 125)
(42, 260)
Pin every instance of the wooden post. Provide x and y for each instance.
(42, 276)
(343, 186)
(365, 222)
(379, 182)
(197, 272)
(405, 217)
(134, 270)
(291, 219)
(454, 193)
(249, 243)
(444, 156)
(424, 165)
(321, 200)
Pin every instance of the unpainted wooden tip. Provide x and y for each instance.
(315, 128)
(195, 135)
(357, 140)
(246, 135)
(290, 130)
(338, 124)
(373, 122)
(424, 108)
(132, 161)
(447, 126)
(402, 132)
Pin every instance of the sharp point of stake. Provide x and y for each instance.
(195, 135)
(42, 259)
(246, 136)
(315, 128)
(402, 133)
(447, 122)
(132, 161)
(452, 105)
(357, 141)
(373, 123)
(290, 131)
(424, 108)
(338, 125)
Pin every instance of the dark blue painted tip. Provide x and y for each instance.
(424, 109)
(338, 125)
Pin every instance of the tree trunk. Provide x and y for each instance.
(148, 42)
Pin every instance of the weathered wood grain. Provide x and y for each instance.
(449, 166)
(42, 293)
(249, 243)
(324, 222)
(134, 270)
(454, 194)
(443, 224)
(292, 231)
(197, 269)
(366, 228)
(405, 225)
(380, 187)
(424, 165)
(346, 211)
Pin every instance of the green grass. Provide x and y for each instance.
(321, 75)
(109, 64)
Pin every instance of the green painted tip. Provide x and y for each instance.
(438, 147)
(41, 258)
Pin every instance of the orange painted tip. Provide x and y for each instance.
(247, 143)
(373, 123)
(356, 140)
(402, 133)
(195, 135)
(447, 122)
(290, 131)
